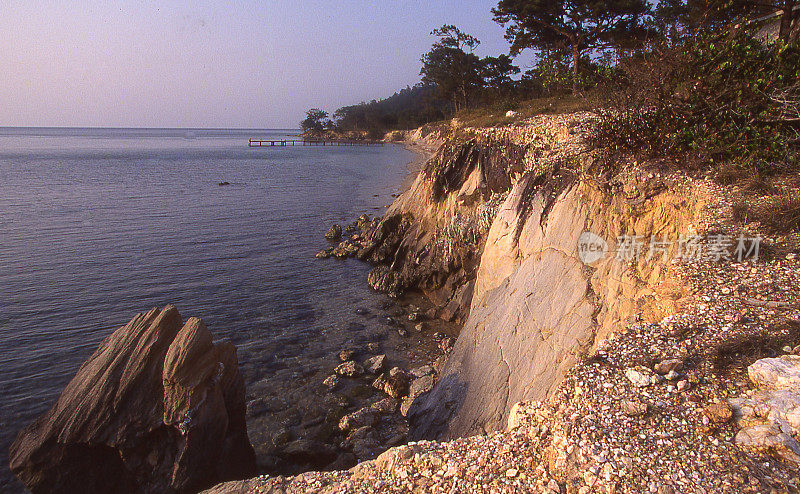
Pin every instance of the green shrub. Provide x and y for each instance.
(715, 101)
(555, 74)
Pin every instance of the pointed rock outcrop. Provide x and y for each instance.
(158, 407)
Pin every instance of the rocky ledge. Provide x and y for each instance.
(158, 407)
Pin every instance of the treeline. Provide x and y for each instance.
(579, 45)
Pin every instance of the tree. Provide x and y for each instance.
(676, 18)
(571, 27)
(315, 121)
(788, 18)
(496, 73)
(454, 72)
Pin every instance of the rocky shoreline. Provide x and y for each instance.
(537, 369)
(636, 376)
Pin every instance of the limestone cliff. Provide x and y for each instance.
(537, 307)
(489, 231)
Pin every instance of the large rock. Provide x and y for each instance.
(776, 373)
(431, 237)
(158, 407)
(769, 417)
(349, 369)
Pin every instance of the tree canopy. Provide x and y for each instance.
(315, 120)
(454, 72)
(571, 26)
(460, 76)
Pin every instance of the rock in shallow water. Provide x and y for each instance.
(157, 408)
(349, 369)
(376, 364)
(334, 232)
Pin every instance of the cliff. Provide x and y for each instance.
(593, 358)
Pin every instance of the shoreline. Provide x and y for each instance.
(303, 431)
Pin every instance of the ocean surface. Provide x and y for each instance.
(97, 225)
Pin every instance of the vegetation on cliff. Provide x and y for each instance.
(701, 85)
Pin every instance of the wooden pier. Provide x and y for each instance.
(257, 143)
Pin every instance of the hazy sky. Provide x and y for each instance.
(215, 63)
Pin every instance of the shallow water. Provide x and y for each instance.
(99, 224)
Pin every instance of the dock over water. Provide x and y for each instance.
(257, 143)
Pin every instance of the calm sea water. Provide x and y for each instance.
(99, 224)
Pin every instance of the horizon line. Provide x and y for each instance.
(141, 128)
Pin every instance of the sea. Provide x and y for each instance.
(99, 224)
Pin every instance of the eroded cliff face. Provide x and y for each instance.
(537, 307)
(490, 232)
(432, 236)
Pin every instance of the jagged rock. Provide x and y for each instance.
(363, 442)
(421, 385)
(362, 417)
(324, 253)
(422, 371)
(349, 369)
(366, 416)
(379, 382)
(718, 413)
(382, 279)
(457, 308)
(334, 232)
(667, 366)
(536, 307)
(375, 365)
(332, 382)
(346, 355)
(770, 416)
(418, 387)
(385, 406)
(157, 408)
(639, 376)
(446, 345)
(769, 438)
(776, 373)
(345, 249)
(396, 383)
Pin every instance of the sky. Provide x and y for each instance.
(222, 64)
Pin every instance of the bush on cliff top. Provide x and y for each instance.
(712, 102)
